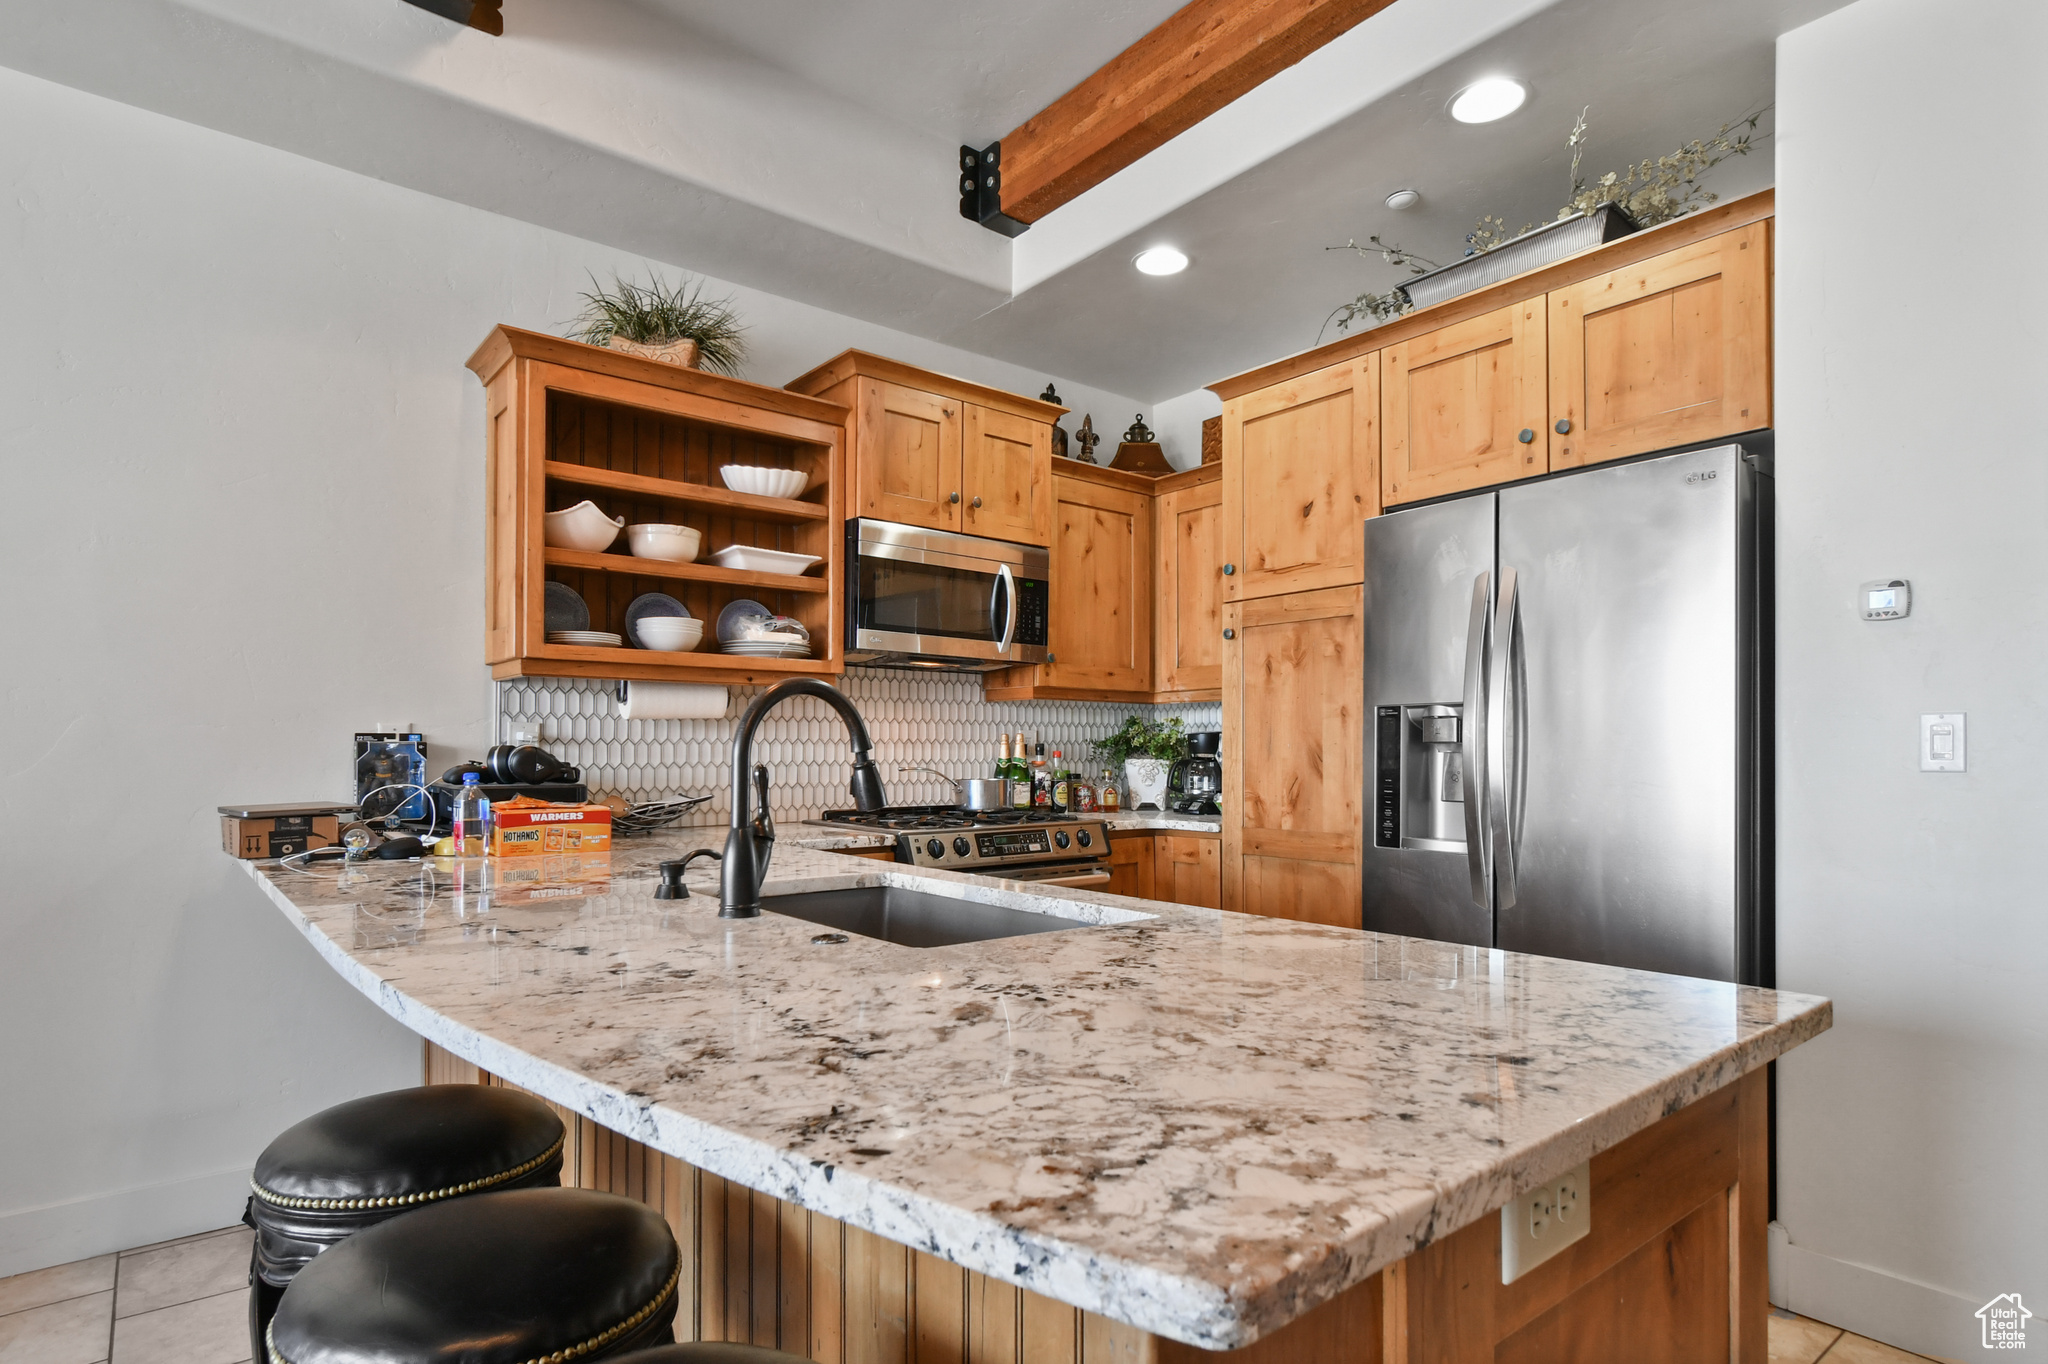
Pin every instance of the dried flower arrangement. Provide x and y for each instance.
(658, 314)
(1649, 192)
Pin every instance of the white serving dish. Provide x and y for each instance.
(754, 559)
(676, 544)
(746, 478)
(670, 634)
(582, 527)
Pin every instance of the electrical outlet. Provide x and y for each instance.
(1544, 1221)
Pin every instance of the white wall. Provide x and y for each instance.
(243, 477)
(1178, 422)
(1912, 372)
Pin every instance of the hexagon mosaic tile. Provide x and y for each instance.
(916, 720)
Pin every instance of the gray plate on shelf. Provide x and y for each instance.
(651, 604)
(566, 609)
(731, 621)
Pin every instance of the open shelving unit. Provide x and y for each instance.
(645, 440)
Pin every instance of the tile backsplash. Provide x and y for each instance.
(916, 719)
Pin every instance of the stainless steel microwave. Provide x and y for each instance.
(919, 598)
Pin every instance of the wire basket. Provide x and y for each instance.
(648, 816)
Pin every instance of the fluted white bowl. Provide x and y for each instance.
(677, 544)
(582, 527)
(746, 478)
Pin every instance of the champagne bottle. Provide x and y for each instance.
(1003, 762)
(1020, 775)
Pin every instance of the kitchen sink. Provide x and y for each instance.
(913, 918)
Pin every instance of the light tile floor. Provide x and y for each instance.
(179, 1302)
(186, 1302)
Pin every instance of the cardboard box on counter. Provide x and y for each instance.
(253, 832)
(538, 830)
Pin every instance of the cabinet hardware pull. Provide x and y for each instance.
(1564, 426)
(1526, 436)
(956, 497)
(1052, 658)
(977, 502)
(1229, 633)
(1229, 569)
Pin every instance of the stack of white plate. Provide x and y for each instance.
(590, 639)
(770, 646)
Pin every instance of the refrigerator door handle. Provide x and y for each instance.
(1504, 734)
(1478, 834)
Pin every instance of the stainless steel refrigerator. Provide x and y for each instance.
(1569, 693)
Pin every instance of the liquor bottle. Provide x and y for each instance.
(1108, 801)
(1083, 792)
(1041, 780)
(1020, 775)
(1062, 788)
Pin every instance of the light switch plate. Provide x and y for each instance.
(1941, 743)
(1544, 1221)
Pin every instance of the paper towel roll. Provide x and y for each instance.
(671, 701)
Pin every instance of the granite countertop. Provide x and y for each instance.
(1203, 1124)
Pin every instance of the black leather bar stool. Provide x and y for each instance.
(502, 1278)
(368, 1160)
(711, 1352)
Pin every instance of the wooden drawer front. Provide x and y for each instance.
(1100, 634)
(1670, 351)
(908, 456)
(1006, 476)
(1293, 714)
(1300, 471)
(1457, 401)
(1189, 870)
(1190, 595)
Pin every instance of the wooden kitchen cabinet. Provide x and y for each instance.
(926, 449)
(1187, 627)
(1187, 870)
(1668, 351)
(1133, 860)
(1099, 631)
(1293, 721)
(1464, 406)
(1300, 475)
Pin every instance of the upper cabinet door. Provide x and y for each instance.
(1099, 636)
(1670, 351)
(1189, 629)
(1465, 406)
(908, 453)
(1301, 463)
(1006, 476)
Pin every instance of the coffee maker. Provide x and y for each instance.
(1195, 785)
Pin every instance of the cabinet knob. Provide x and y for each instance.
(1527, 436)
(1564, 426)
(1229, 633)
(1229, 569)
(1052, 658)
(976, 502)
(956, 497)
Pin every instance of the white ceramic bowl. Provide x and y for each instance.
(745, 478)
(669, 634)
(582, 527)
(677, 544)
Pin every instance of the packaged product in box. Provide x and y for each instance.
(254, 832)
(530, 828)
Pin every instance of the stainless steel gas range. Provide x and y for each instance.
(1019, 845)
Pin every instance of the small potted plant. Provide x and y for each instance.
(672, 323)
(1147, 751)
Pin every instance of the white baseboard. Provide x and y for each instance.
(1871, 1302)
(58, 1233)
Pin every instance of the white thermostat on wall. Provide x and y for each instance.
(1886, 599)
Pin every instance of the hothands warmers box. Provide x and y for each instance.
(541, 830)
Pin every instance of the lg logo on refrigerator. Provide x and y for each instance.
(1705, 476)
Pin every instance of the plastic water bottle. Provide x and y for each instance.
(472, 819)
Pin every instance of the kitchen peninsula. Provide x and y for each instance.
(1169, 1127)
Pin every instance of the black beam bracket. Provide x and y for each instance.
(981, 190)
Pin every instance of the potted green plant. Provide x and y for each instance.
(1147, 749)
(672, 323)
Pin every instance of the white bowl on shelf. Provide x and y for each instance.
(676, 544)
(754, 559)
(582, 527)
(669, 634)
(746, 478)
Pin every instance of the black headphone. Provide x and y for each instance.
(516, 765)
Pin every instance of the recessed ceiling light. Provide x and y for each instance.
(1160, 260)
(1403, 198)
(1484, 101)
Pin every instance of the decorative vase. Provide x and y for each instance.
(1147, 778)
(682, 354)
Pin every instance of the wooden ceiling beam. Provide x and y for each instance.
(1203, 57)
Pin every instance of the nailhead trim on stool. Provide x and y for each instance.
(411, 1199)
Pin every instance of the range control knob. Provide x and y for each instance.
(961, 845)
(935, 848)
(1085, 839)
(1060, 837)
